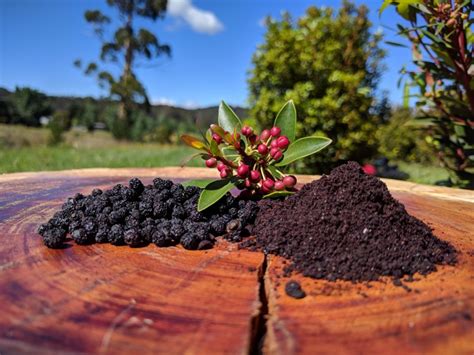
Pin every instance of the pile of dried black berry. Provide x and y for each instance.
(163, 213)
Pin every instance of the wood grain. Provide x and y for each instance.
(435, 317)
(106, 299)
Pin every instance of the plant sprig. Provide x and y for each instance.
(249, 161)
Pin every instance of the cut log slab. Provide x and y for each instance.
(433, 315)
(107, 299)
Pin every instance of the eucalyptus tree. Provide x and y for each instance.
(124, 45)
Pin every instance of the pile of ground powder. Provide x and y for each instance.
(347, 226)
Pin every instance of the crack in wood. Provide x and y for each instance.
(259, 321)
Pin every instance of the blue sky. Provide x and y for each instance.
(212, 44)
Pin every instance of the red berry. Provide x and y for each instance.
(273, 151)
(265, 135)
(275, 131)
(274, 144)
(221, 165)
(211, 162)
(279, 185)
(369, 169)
(262, 149)
(289, 181)
(283, 142)
(243, 170)
(268, 183)
(254, 176)
(277, 155)
(217, 138)
(224, 173)
(246, 131)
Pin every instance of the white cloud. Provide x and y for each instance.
(200, 20)
(163, 101)
(190, 104)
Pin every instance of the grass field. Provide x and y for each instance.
(26, 149)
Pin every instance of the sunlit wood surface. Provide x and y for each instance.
(107, 299)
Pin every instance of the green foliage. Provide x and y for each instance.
(27, 106)
(443, 47)
(125, 45)
(398, 140)
(303, 148)
(237, 149)
(329, 64)
(57, 126)
(89, 115)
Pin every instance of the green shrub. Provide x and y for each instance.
(57, 126)
(398, 140)
(329, 64)
(442, 42)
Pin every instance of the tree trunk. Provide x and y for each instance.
(124, 111)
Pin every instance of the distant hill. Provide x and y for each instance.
(204, 116)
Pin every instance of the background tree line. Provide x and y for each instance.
(328, 61)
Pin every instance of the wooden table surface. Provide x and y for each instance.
(107, 299)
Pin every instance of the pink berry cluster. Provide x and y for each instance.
(257, 153)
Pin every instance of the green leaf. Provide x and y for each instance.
(214, 147)
(199, 183)
(193, 142)
(406, 95)
(432, 37)
(213, 192)
(419, 122)
(227, 119)
(278, 194)
(385, 4)
(396, 44)
(275, 172)
(230, 152)
(286, 120)
(405, 9)
(302, 148)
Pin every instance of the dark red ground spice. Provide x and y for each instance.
(347, 226)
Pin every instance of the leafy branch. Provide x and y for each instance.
(249, 161)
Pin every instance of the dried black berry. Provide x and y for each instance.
(177, 229)
(163, 213)
(218, 226)
(191, 191)
(136, 186)
(146, 208)
(160, 210)
(42, 228)
(233, 225)
(190, 241)
(81, 237)
(205, 244)
(116, 235)
(102, 235)
(178, 212)
(293, 289)
(161, 184)
(96, 192)
(162, 236)
(54, 237)
(133, 238)
(90, 228)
